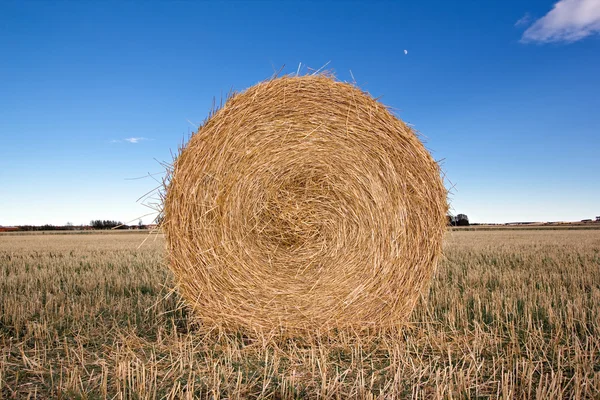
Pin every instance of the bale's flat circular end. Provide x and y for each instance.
(303, 204)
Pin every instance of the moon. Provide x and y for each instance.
(405, 52)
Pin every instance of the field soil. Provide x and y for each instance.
(509, 314)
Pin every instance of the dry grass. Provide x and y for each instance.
(510, 314)
(304, 205)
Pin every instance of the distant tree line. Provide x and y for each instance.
(107, 224)
(94, 224)
(458, 220)
(46, 227)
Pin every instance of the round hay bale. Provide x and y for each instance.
(303, 204)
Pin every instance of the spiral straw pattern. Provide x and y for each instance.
(303, 205)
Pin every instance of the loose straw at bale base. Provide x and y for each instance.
(303, 205)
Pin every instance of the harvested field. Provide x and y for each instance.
(510, 314)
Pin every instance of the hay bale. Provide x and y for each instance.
(303, 204)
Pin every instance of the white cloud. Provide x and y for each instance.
(135, 139)
(568, 21)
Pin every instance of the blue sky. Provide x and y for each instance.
(506, 93)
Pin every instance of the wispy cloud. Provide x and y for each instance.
(135, 139)
(524, 20)
(568, 21)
